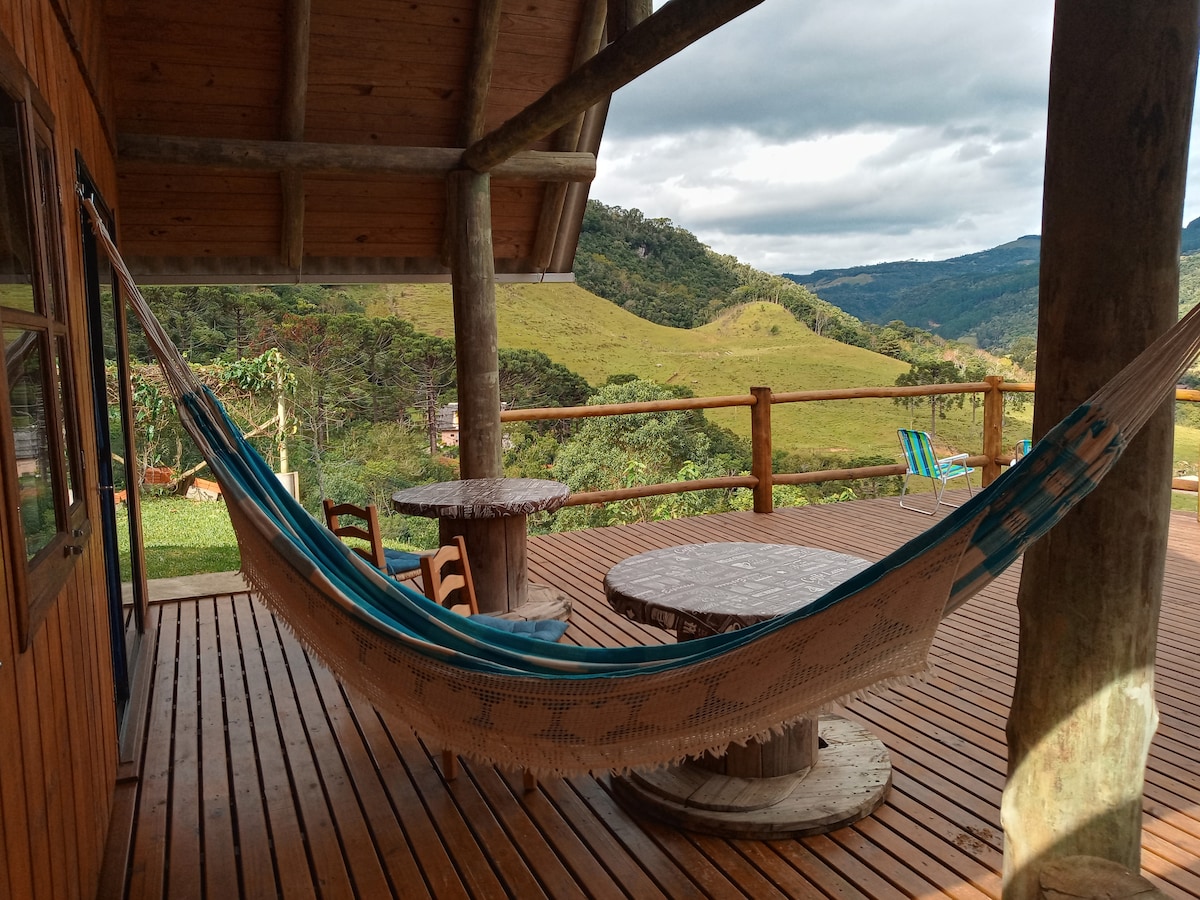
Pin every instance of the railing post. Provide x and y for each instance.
(993, 428)
(760, 448)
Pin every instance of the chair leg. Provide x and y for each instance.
(903, 489)
(449, 765)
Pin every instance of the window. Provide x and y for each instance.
(39, 433)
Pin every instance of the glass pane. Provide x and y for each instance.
(48, 198)
(24, 359)
(16, 258)
(70, 430)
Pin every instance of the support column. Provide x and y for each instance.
(760, 449)
(473, 276)
(1122, 78)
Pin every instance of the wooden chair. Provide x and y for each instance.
(396, 563)
(442, 574)
(920, 459)
(447, 571)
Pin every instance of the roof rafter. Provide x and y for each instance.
(675, 26)
(587, 45)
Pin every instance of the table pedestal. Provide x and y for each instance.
(793, 752)
(848, 781)
(490, 514)
(496, 549)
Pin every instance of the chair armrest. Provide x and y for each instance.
(958, 457)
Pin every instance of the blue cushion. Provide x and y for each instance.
(399, 561)
(540, 629)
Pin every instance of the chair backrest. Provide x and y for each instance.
(368, 531)
(447, 571)
(918, 453)
(1024, 447)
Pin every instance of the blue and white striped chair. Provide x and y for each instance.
(1020, 450)
(921, 460)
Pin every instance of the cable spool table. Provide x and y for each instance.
(490, 514)
(819, 774)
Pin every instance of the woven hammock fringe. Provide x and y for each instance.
(280, 610)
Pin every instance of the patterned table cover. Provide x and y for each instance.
(701, 589)
(481, 498)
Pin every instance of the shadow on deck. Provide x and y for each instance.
(261, 776)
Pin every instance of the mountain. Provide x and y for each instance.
(988, 297)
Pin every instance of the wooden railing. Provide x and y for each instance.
(760, 400)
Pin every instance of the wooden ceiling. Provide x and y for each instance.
(308, 140)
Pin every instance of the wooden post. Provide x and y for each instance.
(993, 428)
(473, 278)
(760, 449)
(1122, 79)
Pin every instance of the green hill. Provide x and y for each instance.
(754, 344)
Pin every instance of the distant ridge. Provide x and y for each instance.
(990, 296)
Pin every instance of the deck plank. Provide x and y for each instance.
(256, 867)
(292, 866)
(319, 794)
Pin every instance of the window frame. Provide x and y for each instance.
(38, 580)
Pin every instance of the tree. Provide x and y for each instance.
(620, 451)
(530, 379)
(428, 362)
(330, 390)
(1024, 352)
(932, 371)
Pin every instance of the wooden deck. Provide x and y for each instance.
(261, 776)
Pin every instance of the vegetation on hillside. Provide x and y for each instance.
(369, 367)
(661, 273)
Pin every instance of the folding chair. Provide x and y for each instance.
(921, 460)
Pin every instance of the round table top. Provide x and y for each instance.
(481, 498)
(698, 589)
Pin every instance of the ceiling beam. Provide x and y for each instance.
(342, 159)
(295, 94)
(675, 26)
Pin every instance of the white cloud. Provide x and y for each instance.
(829, 134)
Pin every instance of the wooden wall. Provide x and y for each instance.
(58, 735)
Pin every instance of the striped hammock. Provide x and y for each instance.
(562, 709)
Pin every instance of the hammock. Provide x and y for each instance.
(561, 709)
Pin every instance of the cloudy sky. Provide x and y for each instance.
(813, 134)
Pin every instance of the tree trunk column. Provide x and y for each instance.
(1122, 78)
(473, 276)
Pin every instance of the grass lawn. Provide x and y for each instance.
(1184, 500)
(189, 537)
(184, 537)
